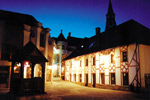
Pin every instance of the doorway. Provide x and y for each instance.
(112, 76)
(86, 79)
(94, 80)
(125, 78)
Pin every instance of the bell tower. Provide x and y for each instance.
(110, 17)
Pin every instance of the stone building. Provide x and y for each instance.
(16, 31)
(117, 58)
(63, 48)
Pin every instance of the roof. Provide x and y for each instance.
(61, 37)
(31, 53)
(73, 41)
(129, 32)
(110, 9)
(13, 17)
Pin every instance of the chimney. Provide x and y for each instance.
(98, 30)
(69, 34)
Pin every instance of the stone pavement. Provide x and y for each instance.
(63, 90)
(70, 91)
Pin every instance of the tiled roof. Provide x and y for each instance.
(126, 33)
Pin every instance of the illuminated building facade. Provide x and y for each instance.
(16, 31)
(63, 48)
(117, 58)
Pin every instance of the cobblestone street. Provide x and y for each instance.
(63, 90)
(70, 91)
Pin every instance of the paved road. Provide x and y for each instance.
(62, 90)
(69, 91)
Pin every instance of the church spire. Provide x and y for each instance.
(110, 17)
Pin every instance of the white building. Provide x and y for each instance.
(117, 58)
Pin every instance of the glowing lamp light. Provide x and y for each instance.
(49, 67)
(15, 67)
(26, 62)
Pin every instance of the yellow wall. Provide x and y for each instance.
(144, 62)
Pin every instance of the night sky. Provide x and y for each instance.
(80, 17)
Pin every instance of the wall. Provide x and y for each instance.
(104, 65)
(144, 62)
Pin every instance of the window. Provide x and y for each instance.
(80, 77)
(102, 60)
(58, 47)
(93, 60)
(124, 56)
(80, 63)
(102, 78)
(32, 34)
(63, 47)
(57, 58)
(86, 62)
(112, 58)
(42, 43)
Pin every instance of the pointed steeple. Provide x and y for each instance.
(61, 37)
(110, 17)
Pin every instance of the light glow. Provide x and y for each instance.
(49, 67)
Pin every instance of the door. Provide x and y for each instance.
(102, 78)
(125, 78)
(86, 84)
(94, 80)
(112, 78)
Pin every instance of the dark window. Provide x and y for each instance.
(124, 56)
(42, 43)
(80, 77)
(32, 34)
(86, 62)
(112, 78)
(102, 78)
(112, 58)
(125, 78)
(63, 47)
(93, 60)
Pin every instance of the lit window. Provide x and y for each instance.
(27, 69)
